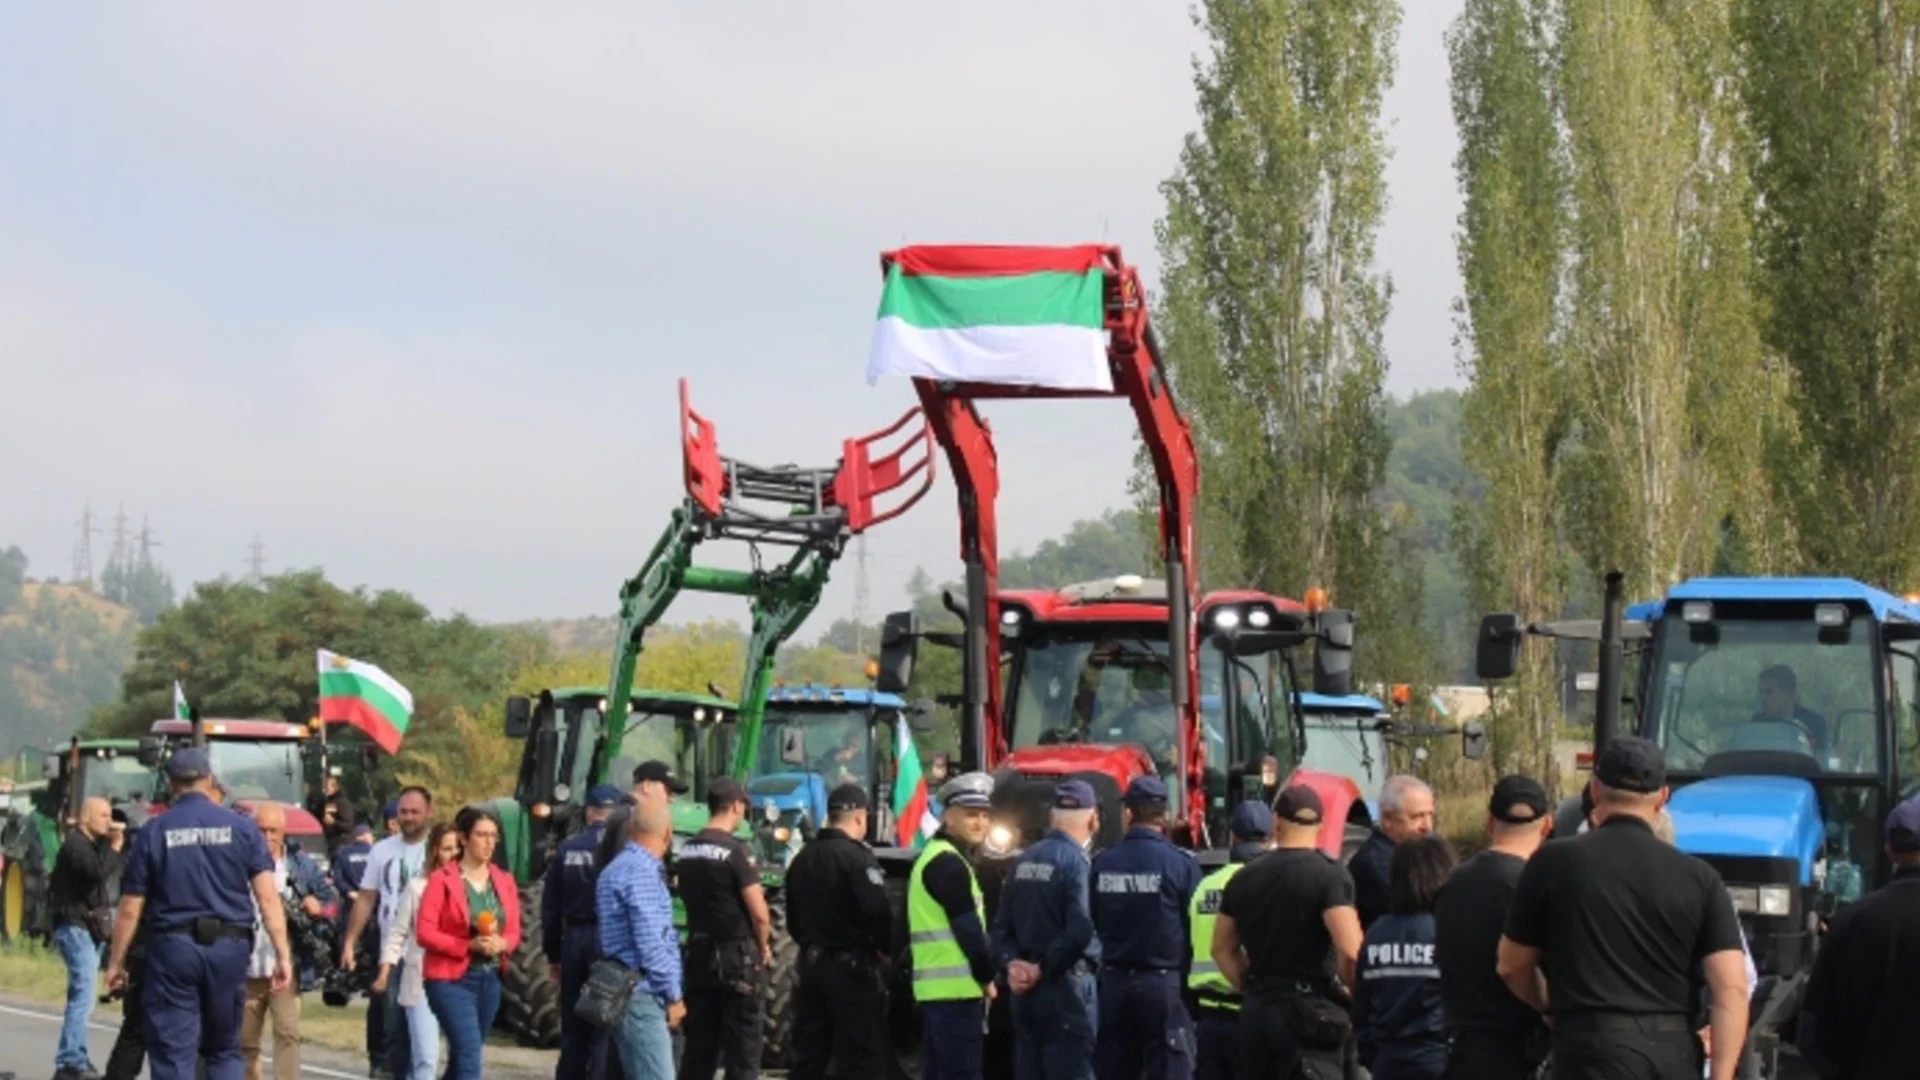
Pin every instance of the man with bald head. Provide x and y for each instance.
(636, 930)
(303, 887)
(90, 857)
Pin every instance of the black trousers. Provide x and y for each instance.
(1589, 1046)
(840, 1009)
(725, 985)
(1269, 1050)
(129, 1053)
(1474, 1054)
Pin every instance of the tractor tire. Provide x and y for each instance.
(783, 976)
(529, 998)
(1355, 837)
(13, 902)
(23, 894)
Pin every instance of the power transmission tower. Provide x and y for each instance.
(122, 541)
(83, 550)
(147, 542)
(860, 595)
(256, 562)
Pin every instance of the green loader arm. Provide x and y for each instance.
(783, 603)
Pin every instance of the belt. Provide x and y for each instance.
(225, 930)
(1124, 969)
(1663, 1023)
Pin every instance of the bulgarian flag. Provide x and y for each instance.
(1023, 316)
(912, 824)
(180, 710)
(366, 697)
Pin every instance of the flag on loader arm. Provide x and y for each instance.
(913, 826)
(362, 695)
(180, 710)
(1022, 316)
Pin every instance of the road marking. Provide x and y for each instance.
(317, 1070)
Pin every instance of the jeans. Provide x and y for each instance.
(1053, 1029)
(398, 1052)
(465, 1008)
(77, 948)
(956, 1042)
(646, 1046)
(423, 1042)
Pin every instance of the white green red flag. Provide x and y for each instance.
(913, 826)
(180, 710)
(1022, 316)
(352, 692)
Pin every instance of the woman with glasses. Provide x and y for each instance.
(469, 925)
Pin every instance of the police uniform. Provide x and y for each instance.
(195, 866)
(838, 914)
(1401, 1026)
(1141, 888)
(1857, 1019)
(1045, 918)
(1619, 921)
(569, 932)
(1216, 1003)
(952, 961)
(726, 976)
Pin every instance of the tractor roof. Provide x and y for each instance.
(833, 695)
(99, 744)
(656, 700)
(1351, 704)
(1884, 605)
(223, 727)
(1130, 598)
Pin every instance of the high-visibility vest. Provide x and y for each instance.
(940, 968)
(1203, 911)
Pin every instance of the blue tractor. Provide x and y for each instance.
(1786, 708)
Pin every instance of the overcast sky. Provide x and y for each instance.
(405, 289)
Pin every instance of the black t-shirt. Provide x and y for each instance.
(1864, 984)
(1622, 920)
(1470, 916)
(713, 868)
(1279, 904)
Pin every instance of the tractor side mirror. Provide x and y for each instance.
(50, 767)
(899, 647)
(920, 716)
(793, 746)
(1333, 655)
(1496, 654)
(519, 717)
(1473, 740)
(148, 753)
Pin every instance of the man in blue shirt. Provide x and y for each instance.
(636, 929)
(188, 877)
(1141, 890)
(569, 932)
(1043, 940)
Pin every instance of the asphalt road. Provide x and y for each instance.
(29, 1031)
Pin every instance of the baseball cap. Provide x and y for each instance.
(660, 773)
(362, 828)
(189, 763)
(1630, 763)
(391, 810)
(1074, 795)
(1518, 800)
(1903, 828)
(726, 791)
(1252, 820)
(601, 796)
(1145, 791)
(848, 797)
(1300, 805)
(973, 790)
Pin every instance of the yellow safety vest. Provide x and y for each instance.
(1203, 911)
(940, 968)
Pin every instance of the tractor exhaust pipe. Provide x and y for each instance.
(1613, 661)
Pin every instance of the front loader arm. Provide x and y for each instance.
(644, 600)
(782, 601)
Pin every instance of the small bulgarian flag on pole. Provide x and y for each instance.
(1023, 316)
(912, 824)
(362, 695)
(180, 710)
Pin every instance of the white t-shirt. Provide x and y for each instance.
(392, 863)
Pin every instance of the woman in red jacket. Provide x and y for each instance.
(469, 926)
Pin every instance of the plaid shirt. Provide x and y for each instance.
(636, 920)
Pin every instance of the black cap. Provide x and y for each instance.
(1903, 828)
(848, 797)
(725, 792)
(1074, 795)
(1252, 820)
(1145, 791)
(189, 763)
(1300, 805)
(1630, 763)
(659, 772)
(1518, 800)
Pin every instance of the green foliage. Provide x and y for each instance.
(61, 654)
(142, 586)
(13, 573)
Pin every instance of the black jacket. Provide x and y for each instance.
(1372, 868)
(80, 875)
(1397, 999)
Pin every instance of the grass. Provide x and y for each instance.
(32, 970)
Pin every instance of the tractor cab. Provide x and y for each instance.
(1347, 737)
(254, 761)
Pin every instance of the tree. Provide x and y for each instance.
(13, 574)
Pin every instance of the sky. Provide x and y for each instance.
(405, 290)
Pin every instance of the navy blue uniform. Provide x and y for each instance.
(1141, 889)
(1045, 917)
(569, 931)
(1397, 1011)
(1372, 867)
(195, 865)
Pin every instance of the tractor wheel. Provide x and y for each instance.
(776, 1048)
(13, 901)
(529, 998)
(1356, 836)
(23, 894)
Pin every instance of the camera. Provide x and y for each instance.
(337, 984)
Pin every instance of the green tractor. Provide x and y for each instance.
(38, 815)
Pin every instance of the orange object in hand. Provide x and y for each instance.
(485, 923)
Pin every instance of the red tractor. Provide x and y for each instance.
(253, 761)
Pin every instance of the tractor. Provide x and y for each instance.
(254, 761)
(1789, 711)
(1354, 736)
(107, 768)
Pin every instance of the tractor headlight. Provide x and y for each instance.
(999, 840)
(1226, 619)
(782, 834)
(1772, 901)
(1259, 619)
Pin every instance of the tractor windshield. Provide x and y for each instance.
(1767, 680)
(1113, 687)
(655, 736)
(116, 779)
(837, 743)
(1346, 746)
(258, 770)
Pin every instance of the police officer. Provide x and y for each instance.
(1043, 941)
(569, 932)
(1857, 1019)
(729, 941)
(1216, 1002)
(1620, 922)
(1491, 1034)
(838, 913)
(1286, 923)
(1142, 887)
(946, 915)
(188, 877)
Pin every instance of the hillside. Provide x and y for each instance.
(62, 650)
